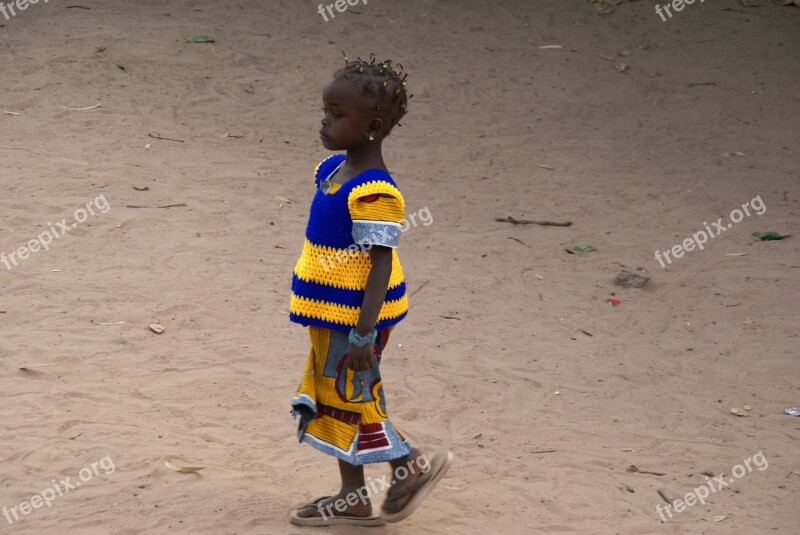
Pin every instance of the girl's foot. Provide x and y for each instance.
(405, 474)
(406, 495)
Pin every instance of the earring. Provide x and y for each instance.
(371, 138)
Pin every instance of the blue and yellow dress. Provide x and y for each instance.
(343, 413)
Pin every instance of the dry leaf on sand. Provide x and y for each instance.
(183, 469)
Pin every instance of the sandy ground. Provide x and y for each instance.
(544, 419)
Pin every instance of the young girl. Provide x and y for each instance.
(348, 288)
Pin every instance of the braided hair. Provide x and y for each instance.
(382, 82)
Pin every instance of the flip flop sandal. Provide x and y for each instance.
(331, 520)
(440, 464)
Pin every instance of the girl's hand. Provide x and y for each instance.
(360, 359)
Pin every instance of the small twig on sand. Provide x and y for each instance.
(418, 289)
(156, 136)
(663, 494)
(544, 451)
(165, 206)
(626, 487)
(635, 469)
(82, 109)
(519, 241)
(513, 221)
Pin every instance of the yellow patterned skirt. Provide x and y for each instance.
(342, 412)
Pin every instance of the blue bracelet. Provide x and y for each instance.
(361, 341)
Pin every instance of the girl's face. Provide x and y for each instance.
(346, 123)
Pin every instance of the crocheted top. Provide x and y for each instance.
(345, 221)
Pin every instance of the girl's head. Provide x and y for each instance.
(362, 103)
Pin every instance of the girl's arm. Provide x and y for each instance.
(362, 358)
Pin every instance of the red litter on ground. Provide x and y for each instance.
(613, 301)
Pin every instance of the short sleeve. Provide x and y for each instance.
(378, 213)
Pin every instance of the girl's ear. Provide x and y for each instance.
(375, 127)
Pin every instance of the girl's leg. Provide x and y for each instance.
(352, 477)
